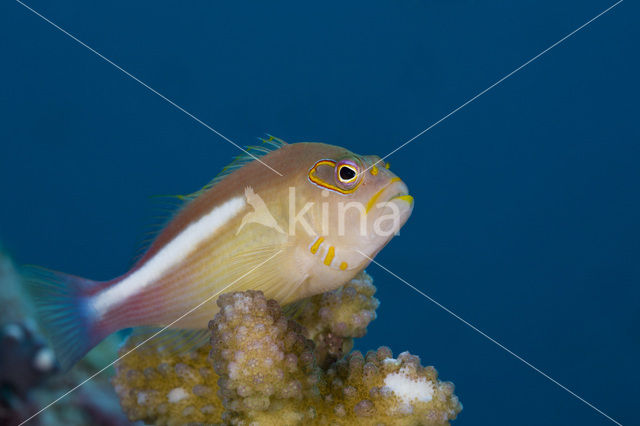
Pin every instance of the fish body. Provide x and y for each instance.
(290, 236)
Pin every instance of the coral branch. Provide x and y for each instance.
(263, 369)
(27, 368)
(333, 319)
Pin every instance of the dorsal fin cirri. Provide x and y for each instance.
(174, 203)
(271, 143)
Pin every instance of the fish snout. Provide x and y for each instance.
(399, 195)
(396, 192)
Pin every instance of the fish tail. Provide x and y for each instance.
(64, 311)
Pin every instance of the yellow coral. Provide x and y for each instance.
(167, 389)
(378, 389)
(266, 365)
(263, 370)
(334, 318)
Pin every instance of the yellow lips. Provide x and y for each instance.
(375, 197)
(407, 198)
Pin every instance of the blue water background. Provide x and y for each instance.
(527, 200)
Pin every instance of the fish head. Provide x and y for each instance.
(360, 204)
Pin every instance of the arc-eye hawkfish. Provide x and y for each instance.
(290, 236)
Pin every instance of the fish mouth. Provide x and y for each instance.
(394, 193)
(404, 204)
(399, 196)
(398, 191)
(403, 197)
(393, 199)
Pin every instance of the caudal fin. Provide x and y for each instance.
(64, 313)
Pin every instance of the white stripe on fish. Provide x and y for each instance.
(170, 255)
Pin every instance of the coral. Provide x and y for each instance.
(25, 363)
(28, 379)
(29, 360)
(168, 389)
(379, 389)
(25, 360)
(262, 369)
(266, 365)
(334, 318)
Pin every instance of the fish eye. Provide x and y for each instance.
(347, 173)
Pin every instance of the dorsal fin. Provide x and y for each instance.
(271, 143)
(172, 204)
